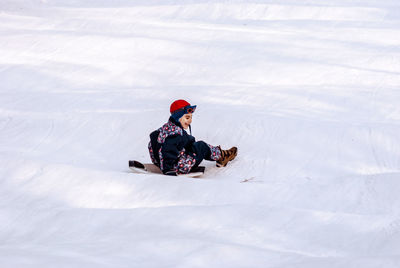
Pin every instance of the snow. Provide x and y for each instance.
(307, 90)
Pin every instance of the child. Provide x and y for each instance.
(174, 151)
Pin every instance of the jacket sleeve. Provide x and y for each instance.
(170, 153)
(191, 140)
(189, 145)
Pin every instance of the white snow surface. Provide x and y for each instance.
(308, 90)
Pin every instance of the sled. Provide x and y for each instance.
(149, 168)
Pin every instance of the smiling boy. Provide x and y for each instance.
(174, 151)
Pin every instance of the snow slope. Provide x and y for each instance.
(308, 91)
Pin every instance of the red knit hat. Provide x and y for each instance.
(181, 107)
(177, 105)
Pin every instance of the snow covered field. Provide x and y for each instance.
(308, 90)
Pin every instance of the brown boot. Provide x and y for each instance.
(226, 156)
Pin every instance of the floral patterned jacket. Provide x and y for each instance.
(170, 148)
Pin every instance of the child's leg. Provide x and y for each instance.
(205, 151)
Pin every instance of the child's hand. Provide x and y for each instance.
(171, 173)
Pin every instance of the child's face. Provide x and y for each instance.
(186, 120)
